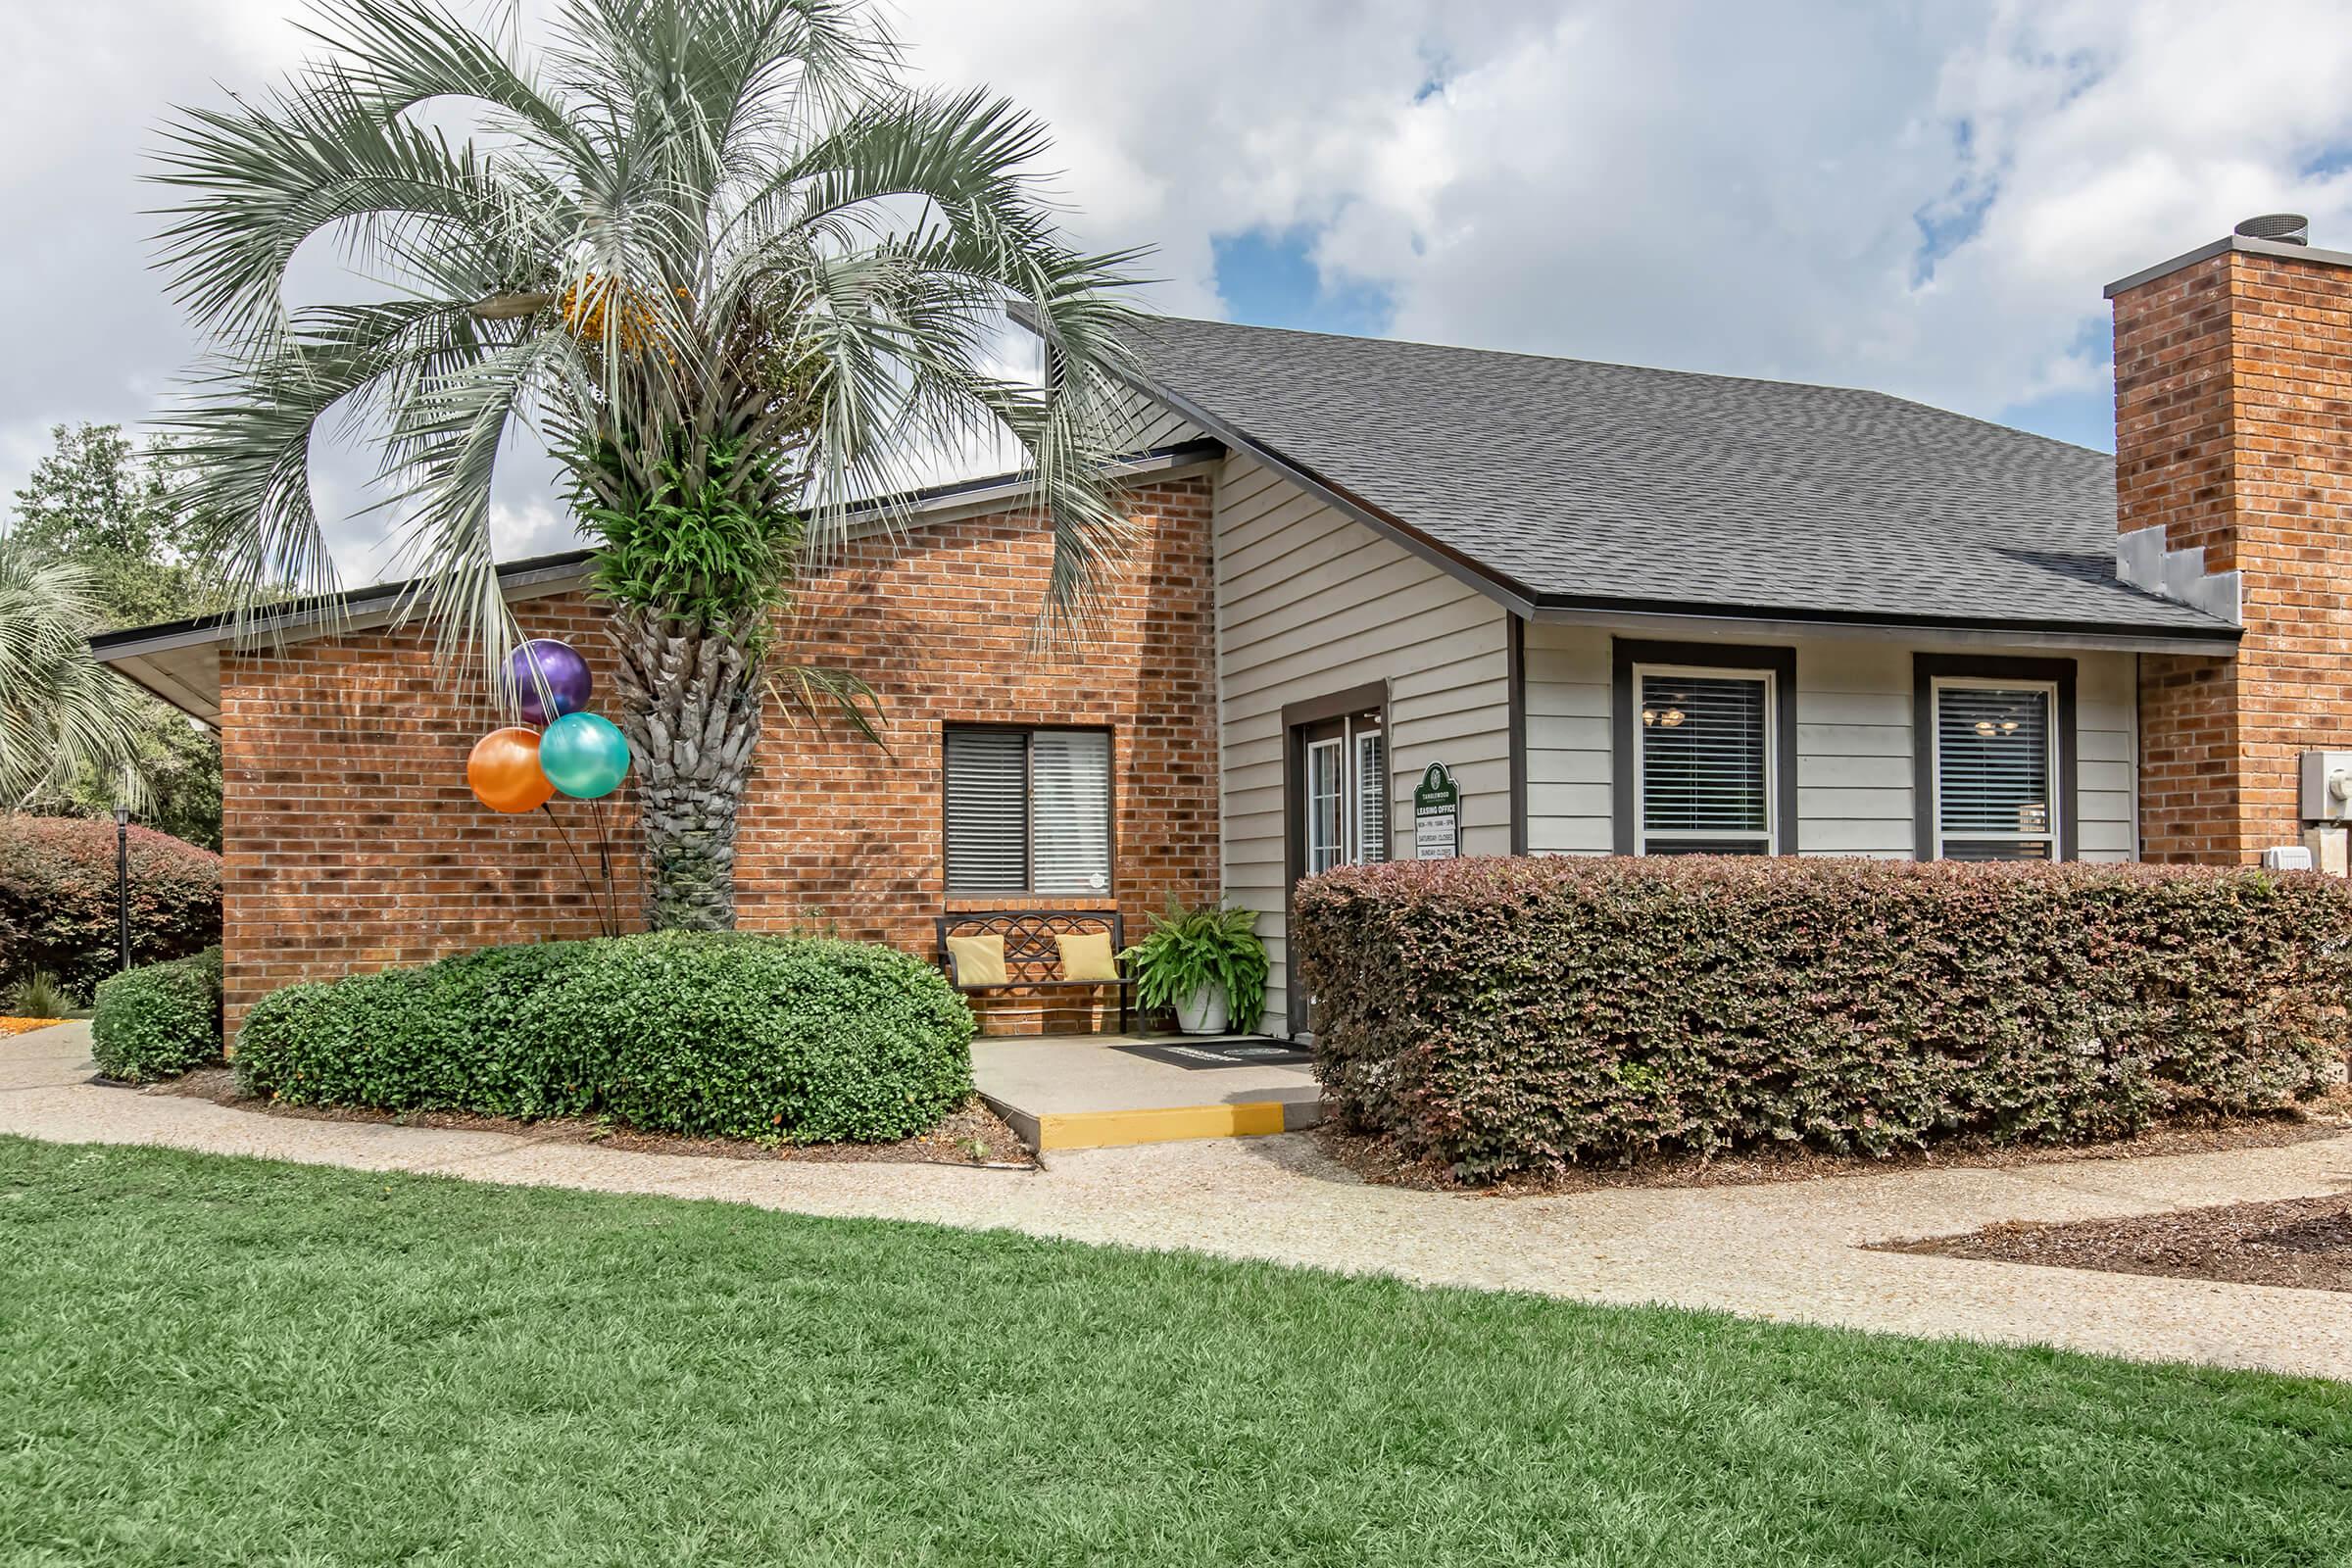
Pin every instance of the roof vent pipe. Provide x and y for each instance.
(2287, 228)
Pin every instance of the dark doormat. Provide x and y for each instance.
(1245, 1050)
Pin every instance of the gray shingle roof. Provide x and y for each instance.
(1601, 484)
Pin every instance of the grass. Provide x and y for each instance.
(208, 1360)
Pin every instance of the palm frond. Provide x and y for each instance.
(822, 692)
(453, 434)
(905, 333)
(265, 180)
(688, 223)
(397, 54)
(60, 709)
(245, 439)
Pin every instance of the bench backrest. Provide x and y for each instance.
(1030, 951)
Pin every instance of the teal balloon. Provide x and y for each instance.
(583, 755)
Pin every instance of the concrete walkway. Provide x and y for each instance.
(1784, 1252)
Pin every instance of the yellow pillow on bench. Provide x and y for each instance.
(978, 960)
(1087, 957)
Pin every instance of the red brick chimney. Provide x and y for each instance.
(2234, 491)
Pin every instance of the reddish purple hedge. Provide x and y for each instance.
(1518, 1015)
(57, 898)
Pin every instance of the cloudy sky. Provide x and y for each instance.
(1925, 198)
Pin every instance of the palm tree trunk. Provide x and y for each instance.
(690, 707)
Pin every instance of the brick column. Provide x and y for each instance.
(2234, 433)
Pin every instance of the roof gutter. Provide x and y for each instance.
(1682, 618)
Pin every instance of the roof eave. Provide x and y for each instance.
(1686, 618)
(179, 661)
(539, 575)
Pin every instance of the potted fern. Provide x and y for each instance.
(1207, 966)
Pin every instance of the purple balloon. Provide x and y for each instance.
(560, 686)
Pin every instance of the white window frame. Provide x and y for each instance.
(1769, 838)
(2053, 835)
(1029, 834)
(1345, 752)
(1341, 814)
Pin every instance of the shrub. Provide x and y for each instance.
(733, 1035)
(39, 995)
(57, 898)
(1516, 1014)
(160, 1019)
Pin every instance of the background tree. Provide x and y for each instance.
(112, 512)
(734, 273)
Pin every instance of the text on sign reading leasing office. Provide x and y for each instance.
(1436, 814)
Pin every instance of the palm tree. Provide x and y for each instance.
(733, 274)
(60, 709)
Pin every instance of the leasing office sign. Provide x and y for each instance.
(1436, 814)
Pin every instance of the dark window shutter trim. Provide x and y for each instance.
(1626, 653)
(1926, 670)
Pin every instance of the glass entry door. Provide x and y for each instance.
(1334, 796)
(1346, 793)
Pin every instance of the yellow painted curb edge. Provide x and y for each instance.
(1108, 1129)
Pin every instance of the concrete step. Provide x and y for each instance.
(1063, 1093)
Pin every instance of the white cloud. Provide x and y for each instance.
(1694, 184)
(1678, 183)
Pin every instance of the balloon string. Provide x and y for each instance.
(604, 863)
(582, 865)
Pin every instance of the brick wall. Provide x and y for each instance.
(351, 841)
(349, 838)
(2234, 430)
(942, 624)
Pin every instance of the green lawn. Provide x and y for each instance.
(205, 1360)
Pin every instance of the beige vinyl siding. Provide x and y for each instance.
(2107, 756)
(1853, 749)
(1311, 602)
(1568, 786)
(1854, 754)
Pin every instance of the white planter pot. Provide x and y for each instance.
(1203, 1013)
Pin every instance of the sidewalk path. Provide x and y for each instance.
(1787, 1252)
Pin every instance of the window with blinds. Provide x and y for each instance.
(1704, 762)
(1995, 787)
(1028, 811)
(1371, 797)
(1326, 805)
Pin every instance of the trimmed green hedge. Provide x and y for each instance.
(738, 1035)
(160, 1019)
(1500, 1016)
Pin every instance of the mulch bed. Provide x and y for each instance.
(972, 1135)
(25, 1026)
(2302, 1242)
(1377, 1159)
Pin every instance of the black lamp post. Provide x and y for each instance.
(122, 884)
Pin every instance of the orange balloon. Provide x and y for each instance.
(503, 770)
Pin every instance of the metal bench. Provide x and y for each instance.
(1031, 959)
